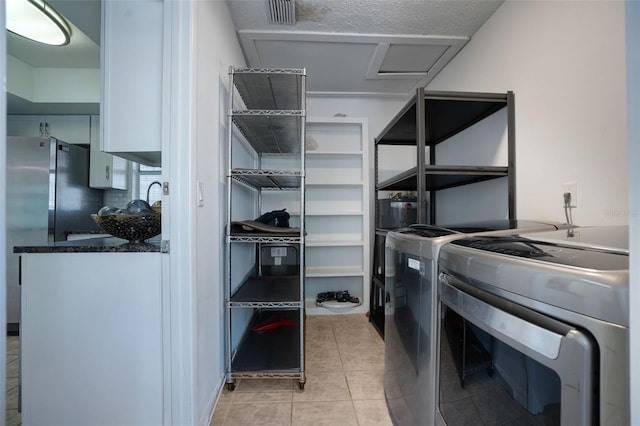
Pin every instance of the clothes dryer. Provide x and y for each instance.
(535, 328)
(411, 322)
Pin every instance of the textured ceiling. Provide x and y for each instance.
(346, 45)
(426, 17)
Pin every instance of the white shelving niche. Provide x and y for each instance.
(336, 215)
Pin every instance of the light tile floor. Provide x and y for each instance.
(13, 365)
(344, 371)
(345, 382)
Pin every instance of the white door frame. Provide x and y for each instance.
(178, 217)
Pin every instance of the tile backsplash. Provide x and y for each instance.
(117, 198)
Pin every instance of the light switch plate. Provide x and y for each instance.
(200, 193)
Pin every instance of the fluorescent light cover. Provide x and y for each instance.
(36, 20)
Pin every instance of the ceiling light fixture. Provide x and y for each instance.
(37, 21)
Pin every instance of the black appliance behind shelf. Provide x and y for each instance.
(376, 306)
(377, 295)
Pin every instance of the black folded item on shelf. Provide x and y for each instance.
(277, 218)
(338, 296)
(255, 227)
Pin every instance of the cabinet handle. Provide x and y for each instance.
(41, 129)
(46, 129)
(106, 172)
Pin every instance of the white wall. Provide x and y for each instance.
(379, 110)
(215, 49)
(57, 85)
(565, 62)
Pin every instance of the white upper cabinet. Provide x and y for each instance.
(107, 171)
(68, 128)
(132, 79)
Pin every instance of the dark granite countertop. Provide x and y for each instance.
(94, 245)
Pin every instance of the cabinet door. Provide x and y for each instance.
(107, 171)
(25, 125)
(69, 128)
(132, 49)
(78, 324)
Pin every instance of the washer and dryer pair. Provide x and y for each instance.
(518, 325)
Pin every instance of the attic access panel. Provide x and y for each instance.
(446, 115)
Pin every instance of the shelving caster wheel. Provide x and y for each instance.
(301, 385)
(231, 386)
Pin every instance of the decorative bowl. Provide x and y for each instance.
(134, 228)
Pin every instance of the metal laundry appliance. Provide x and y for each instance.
(410, 311)
(535, 328)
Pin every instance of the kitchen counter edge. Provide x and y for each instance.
(94, 245)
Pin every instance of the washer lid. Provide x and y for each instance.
(503, 225)
(581, 256)
(591, 280)
(614, 238)
(425, 231)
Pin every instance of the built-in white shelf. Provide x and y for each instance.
(329, 271)
(328, 153)
(332, 240)
(329, 182)
(336, 212)
(347, 308)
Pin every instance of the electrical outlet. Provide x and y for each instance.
(571, 188)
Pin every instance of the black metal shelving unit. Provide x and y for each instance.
(429, 119)
(267, 108)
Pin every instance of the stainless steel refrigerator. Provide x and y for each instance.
(48, 195)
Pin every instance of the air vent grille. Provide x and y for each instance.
(282, 12)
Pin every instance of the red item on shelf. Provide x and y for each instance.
(273, 323)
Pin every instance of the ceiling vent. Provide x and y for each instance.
(282, 12)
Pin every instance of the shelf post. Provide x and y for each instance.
(511, 147)
(421, 177)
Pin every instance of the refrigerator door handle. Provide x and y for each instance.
(19, 270)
